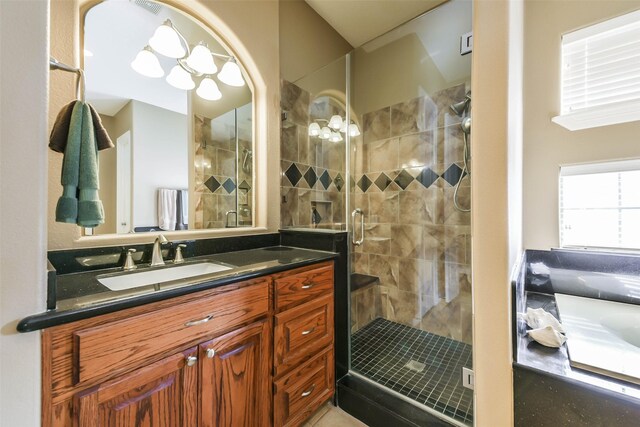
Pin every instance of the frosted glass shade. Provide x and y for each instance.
(335, 137)
(325, 133)
(166, 41)
(354, 130)
(201, 60)
(335, 122)
(180, 79)
(147, 64)
(314, 129)
(231, 74)
(208, 90)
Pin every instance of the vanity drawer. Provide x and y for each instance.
(299, 394)
(302, 331)
(295, 289)
(99, 351)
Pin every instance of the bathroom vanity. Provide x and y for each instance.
(253, 345)
(557, 386)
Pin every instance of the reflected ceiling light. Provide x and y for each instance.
(180, 79)
(167, 40)
(335, 122)
(314, 129)
(231, 74)
(201, 60)
(208, 90)
(87, 53)
(147, 64)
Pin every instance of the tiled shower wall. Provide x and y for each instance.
(313, 170)
(406, 164)
(215, 163)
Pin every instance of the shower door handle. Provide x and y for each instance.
(355, 212)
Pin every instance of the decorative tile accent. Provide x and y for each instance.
(338, 181)
(311, 177)
(452, 174)
(293, 174)
(403, 179)
(212, 184)
(244, 185)
(427, 177)
(364, 183)
(229, 185)
(383, 181)
(325, 179)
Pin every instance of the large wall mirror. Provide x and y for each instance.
(180, 112)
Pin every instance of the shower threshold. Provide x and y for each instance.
(419, 367)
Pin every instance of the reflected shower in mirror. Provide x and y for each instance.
(178, 108)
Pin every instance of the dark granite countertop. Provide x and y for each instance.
(80, 295)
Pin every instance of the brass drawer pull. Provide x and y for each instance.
(199, 322)
(307, 286)
(308, 392)
(308, 331)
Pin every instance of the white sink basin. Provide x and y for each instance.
(602, 336)
(160, 275)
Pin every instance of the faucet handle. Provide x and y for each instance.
(178, 259)
(129, 264)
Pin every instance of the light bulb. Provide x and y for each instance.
(314, 129)
(354, 130)
(180, 79)
(335, 122)
(167, 42)
(208, 90)
(325, 133)
(343, 127)
(147, 64)
(201, 60)
(335, 137)
(231, 74)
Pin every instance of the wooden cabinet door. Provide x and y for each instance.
(161, 394)
(235, 378)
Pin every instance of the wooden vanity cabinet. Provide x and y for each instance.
(203, 359)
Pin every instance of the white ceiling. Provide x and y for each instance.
(359, 21)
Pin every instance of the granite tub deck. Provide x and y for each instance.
(79, 295)
(547, 389)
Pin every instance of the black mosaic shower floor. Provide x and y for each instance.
(380, 351)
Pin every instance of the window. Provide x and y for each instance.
(601, 74)
(600, 205)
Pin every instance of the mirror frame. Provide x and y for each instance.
(226, 37)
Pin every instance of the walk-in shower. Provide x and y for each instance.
(401, 183)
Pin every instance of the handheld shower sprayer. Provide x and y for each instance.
(461, 109)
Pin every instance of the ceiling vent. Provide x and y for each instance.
(149, 6)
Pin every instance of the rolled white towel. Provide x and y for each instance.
(548, 337)
(539, 318)
(167, 209)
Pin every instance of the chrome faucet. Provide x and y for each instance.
(156, 256)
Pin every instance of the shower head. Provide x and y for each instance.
(460, 107)
(465, 124)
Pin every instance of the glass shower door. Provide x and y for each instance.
(411, 276)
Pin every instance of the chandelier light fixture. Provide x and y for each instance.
(197, 62)
(334, 126)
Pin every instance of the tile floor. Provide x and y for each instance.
(331, 416)
(418, 364)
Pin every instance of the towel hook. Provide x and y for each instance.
(54, 64)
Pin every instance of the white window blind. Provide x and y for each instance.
(600, 80)
(600, 205)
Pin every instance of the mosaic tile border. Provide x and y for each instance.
(299, 175)
(400, 180)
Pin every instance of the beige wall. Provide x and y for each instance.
(495, 26)
(23, 174)
(547, 145)
(307, 42)
(254, 39)
(107, 191)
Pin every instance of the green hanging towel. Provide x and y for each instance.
(79, 202)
